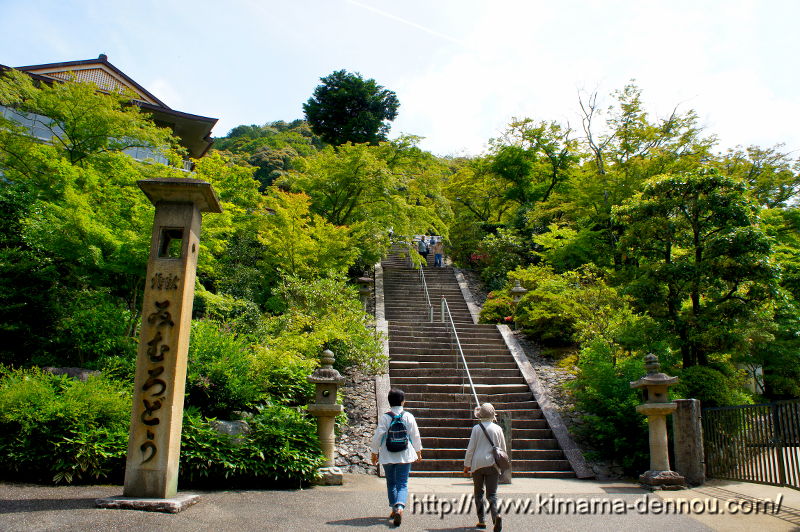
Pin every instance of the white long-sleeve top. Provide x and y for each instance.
(479, 451)
(406, 456)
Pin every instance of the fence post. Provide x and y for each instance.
(504, 420)
(777, 431)
(442, 304)
(688, 444)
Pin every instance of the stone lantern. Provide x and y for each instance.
(364, 290)
(327, 381)
(516, 295)
(656, 407)
(517, 292)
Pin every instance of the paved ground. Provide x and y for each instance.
(361, 505)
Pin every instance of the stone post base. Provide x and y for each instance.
(170, 505)
(662, 480)
(329, 476)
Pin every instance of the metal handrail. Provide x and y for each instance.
(425, 291)
(446, 309)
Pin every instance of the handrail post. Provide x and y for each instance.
(442, 304)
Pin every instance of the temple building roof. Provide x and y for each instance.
(194, 131)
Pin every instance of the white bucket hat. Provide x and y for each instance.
(485, 412)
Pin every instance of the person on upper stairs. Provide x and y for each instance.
(422, 248)
(438, 250)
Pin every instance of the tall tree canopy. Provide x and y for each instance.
(348, 108)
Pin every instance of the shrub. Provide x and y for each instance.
(718, 386)
(497, 308)
(241, 314)
(610, 424)
(55, 429)
(93, 325)
(323, 314)
(281, 449)
(499, 254)
(578, 307)
(221, 377)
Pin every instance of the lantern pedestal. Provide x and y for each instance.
(659, 476)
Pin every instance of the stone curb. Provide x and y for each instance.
(474, 309)
(382, 384)
(565, 441)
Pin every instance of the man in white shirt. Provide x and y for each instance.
(480, 461)
(394, 427)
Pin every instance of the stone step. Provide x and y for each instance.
(466, 400)
(452, 366)
(467, 413)
(461, 422)
(464, 432)
(469, 350)
(473, 360)
(439, 364)
(464, 335)
(516, 454)
(516, 465)
(480, 388)
(480, 328)
(519, 474)
(404, 382)
(435, 442)
(437, 374)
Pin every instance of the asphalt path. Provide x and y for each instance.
(358, 505)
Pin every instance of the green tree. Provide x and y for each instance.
(372, 190)
(75, 216)
(697, 260)
(772, 176)
(348, 108)
(300, 243)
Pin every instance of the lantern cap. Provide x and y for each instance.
(654, 377)
(518, 288)
(325, 374)
(181, 190)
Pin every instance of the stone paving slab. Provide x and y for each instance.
(360, 504)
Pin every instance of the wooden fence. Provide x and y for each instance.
(754, 443)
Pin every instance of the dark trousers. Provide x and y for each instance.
(488, 477)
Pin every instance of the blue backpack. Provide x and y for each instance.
(396, 435)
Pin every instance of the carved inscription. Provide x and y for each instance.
(164, 282)
(154, 388)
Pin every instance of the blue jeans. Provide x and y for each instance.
(397, 483)
(437, 259)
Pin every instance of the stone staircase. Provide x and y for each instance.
(424, 364)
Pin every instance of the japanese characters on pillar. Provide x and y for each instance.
(151, 469)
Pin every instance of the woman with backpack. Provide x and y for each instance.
(396, 445)
(481, 462)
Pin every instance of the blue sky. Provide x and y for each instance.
(462, 69)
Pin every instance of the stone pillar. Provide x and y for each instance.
(327, 381)
(688, 433)
(505, 421)
(151, 470)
